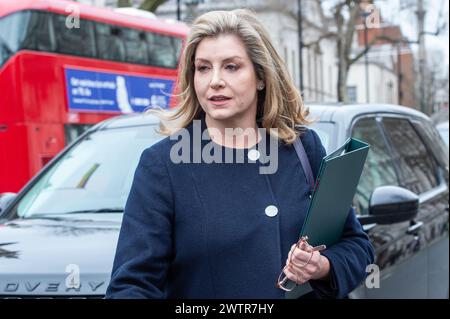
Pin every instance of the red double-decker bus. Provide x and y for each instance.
(66, 66)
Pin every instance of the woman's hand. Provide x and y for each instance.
(304, 263)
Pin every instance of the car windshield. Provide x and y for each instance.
(95, 176)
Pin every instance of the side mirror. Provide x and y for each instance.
(391, 204)
(5, 200)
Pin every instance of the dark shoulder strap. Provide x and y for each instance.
(301, 153)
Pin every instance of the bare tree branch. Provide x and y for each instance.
(322, 14)
(407, 5)
(438, 30)
(151, 5)
(123, 3)
(371, 43)
(320, 38)
(354, 11)
(439, 26)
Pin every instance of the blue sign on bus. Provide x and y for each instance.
(101, 91)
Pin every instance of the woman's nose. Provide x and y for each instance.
(216, 81)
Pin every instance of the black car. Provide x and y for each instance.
(58, 235)
(406, 154)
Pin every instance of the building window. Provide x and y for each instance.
(294, 68)
(286, 58)
(390, 95)
(310, 77)
(352, 94)
(330, 80)
(316, 75)
(321, 84)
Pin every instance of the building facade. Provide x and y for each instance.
(391, 69)
(280, 20)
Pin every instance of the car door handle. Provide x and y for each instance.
(412, 230)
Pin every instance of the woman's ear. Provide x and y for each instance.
(260, 85)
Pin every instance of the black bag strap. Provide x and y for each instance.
(301, 153)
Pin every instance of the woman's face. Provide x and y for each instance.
(225, 80)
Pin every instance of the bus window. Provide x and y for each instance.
(45, 35)
(163, 50)
(76, 41)
(109, 43)
(40, 35)
(135, 46)
(13, 29)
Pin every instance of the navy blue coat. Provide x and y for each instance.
(201, 231)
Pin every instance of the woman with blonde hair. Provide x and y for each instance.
(202, 222)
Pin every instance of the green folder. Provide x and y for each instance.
(336, 184)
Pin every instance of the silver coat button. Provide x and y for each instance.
(253, 155)
(271, 211)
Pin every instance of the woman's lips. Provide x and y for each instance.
(219, 102)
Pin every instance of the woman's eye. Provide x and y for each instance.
(202, 68)
(231, 67)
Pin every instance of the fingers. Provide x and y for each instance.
(298, 277)
(308, 268)
(302, 263)
(300, 256)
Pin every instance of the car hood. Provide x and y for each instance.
(58, 256)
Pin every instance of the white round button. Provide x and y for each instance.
(253, 155)
(271, 211)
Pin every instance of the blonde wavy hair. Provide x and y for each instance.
(280, 104)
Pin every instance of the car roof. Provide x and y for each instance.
(334, 112)
(322, 112)
(134, 119)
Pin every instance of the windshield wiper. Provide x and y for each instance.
(95, 211)
(58, 216)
